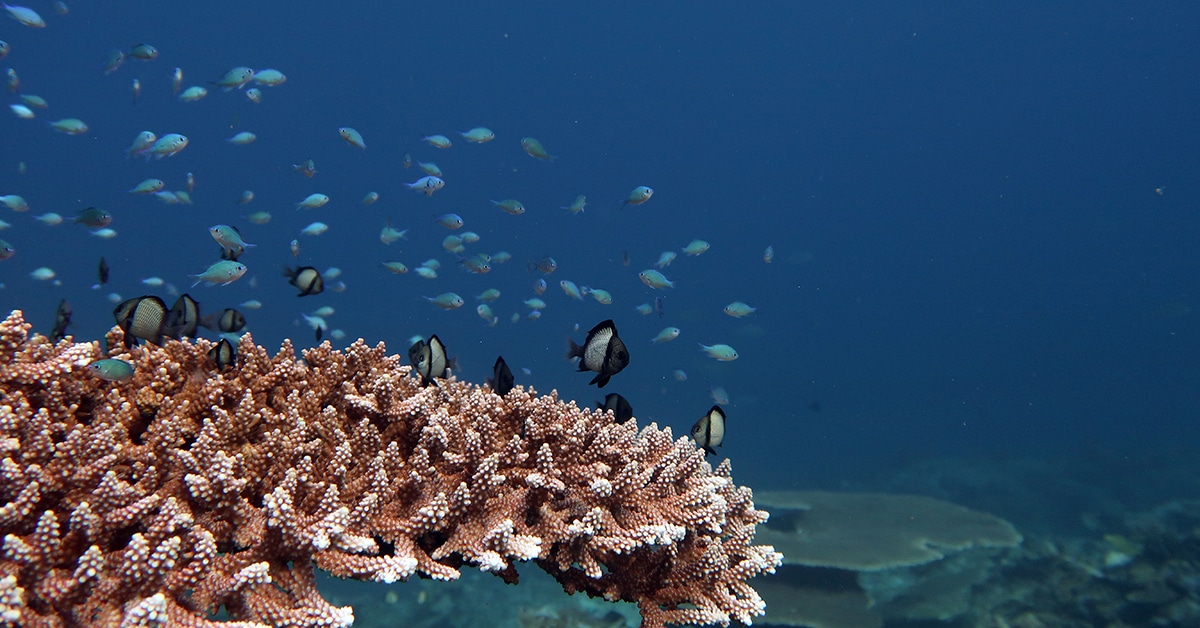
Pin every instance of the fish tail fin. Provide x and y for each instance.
(573, 350)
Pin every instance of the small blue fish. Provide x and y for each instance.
(112, 370)
(352, 137)
(229, 238)
(546, 265)
(639, 195)
(427, 185)
(224, 273)
(446, 301)
(450, 221)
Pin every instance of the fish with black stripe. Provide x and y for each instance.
(602, 352)
(709, 431)
(307, 280)
(429, 359)
(141, 317)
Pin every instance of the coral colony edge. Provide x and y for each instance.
(188, 491)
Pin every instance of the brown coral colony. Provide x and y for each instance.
(190, 490)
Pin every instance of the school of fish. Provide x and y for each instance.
(603, 352)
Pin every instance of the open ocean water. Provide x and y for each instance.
(984, 217)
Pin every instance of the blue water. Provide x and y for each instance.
(971, 255)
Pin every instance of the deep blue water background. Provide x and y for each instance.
(971, 258)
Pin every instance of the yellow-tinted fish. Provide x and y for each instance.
(49, 218)
(14, 202)
(34, 101)
(243, 138)
(453, 244)
(269, 77)
(737, 309)
(430, 168)
(576, 206)
(141, 143)
(236, 78)
(315, 229)
(193, 93)
(95, 218)
(485, 312)
(478, 135)
(534, 149)
(389, 234)
(149, 186)
(510, 206)
(477, 264)
(446, 301)
(145, 52)
(724, 353)
(437, 141)
(69, 126)
(396, 267)
(113, 62)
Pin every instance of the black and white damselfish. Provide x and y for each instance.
(602, 352)
(709, 431)
(141, 317)
(429, 359)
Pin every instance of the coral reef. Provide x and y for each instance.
(189, 490)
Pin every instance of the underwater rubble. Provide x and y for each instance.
(962, 568)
